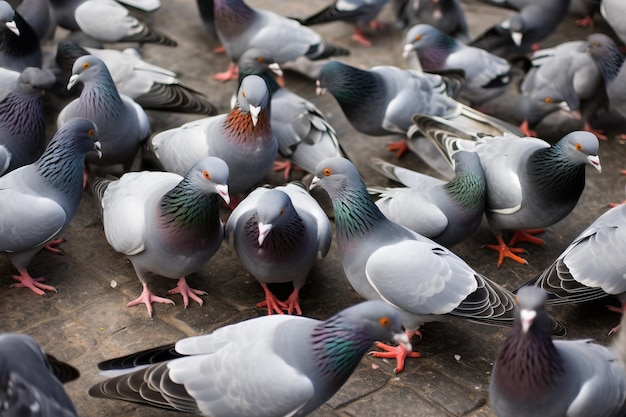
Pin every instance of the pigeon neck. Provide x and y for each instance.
(238, 127)
(231, 16)
(529, 366)
(434, 57)
(554, 176)
(357, 91)
(62, 165)
(468, 189)
(611, 63)
(22, 115)
(284, 238)
(185, 207)
(103, 94)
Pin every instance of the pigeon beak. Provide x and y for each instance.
(12, 27)
(97, 147)
(319, 90)
(222, 191)
(527, 318)
(403, 339)
(72, 81)
(314, 183)
(517, 38)
(264, 230)
(594, 161)
(406, 51)
(563, 105)
(254, 113)
(276, 69)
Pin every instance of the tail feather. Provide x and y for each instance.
(326, 50)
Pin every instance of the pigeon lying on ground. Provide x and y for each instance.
(276, 365)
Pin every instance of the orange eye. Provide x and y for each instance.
(327, 172)
(579, 147)
(384, 321)
(418, 37)
(206, 175)
(595, 44)
(282, 211)
(85, 65)
(548, 100)
(243, 93)
(260, 59)
(91, 132)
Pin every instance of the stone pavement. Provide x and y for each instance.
(88, 321)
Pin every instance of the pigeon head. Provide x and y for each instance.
(607, 55)
(531, 302)
(430, 43)
(582, 148)
(35, 80)
(7, 17)
(334, 175)
(210, 174)
(274, 209)
(253, 96)
(86, 68)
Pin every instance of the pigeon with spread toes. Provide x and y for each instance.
(268, 366)
(123, 124)
(386, 261)
(243, 138)
(22, 120)
(241, 27)
(530, 183)
(32, 386)
(278, 234)
(166, 224)
(536, 376)
(446, 212)
(37, 201)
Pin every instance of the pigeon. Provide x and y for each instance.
(277, 365)
(29, 384)
(446, 212)
(486, 75)
(241, 27)
(303, 132)
(613, 12)
(105, 21)
(166, 224)
(587, 270)
(243, 138)
(530, 183)
(534, 375)
(381, 260)
(37, 14)
(361, 13)
(37, 201)
(446, 15)
(122, 123)
(22, 120)
(150, 86)
(19, 44)
(278, 234)
(521, 32)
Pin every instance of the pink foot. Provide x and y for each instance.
(360, 38)
(34, 284)
(219, 49)
(399, 353)
(506, 252)
(147, 298)
(619, 310)
(293, 303)
(526, 130)
(598, 132)
(287, 166)
(232, 73)
(527, 236)
(187, 292)
(400, 147)
(273, 304)
(585, 22)
(50, 246)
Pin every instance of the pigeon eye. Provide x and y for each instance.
(548, 100)
(259, 59)
(418, 37)
(579, 147)
(243, 93)
(282, 211)
(384, 321)
(327, 172)
(85, 65)
(595, 44)
(91, 132)
(206, 175)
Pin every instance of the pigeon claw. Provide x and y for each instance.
(400, 147)
(187, 292)
(50, 246)
(399, 353)
(147, 298)
(507, 252)
(527, 236)
(34, 284)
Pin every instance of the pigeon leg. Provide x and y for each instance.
(399, 353)
(527, 236)
(400, 147)
(50, 246)
(147, 297)
(232, 73)
(187, 292)
(506, 252)
(619, 310)
(598, 132)
(293, 302)
(34, 284)
(273, 304)
(287, 166)
(359, 37)
(586, 22)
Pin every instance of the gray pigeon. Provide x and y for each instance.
(304, 135)
(385, 261)
(446, 212)
(361, 13)
(122, 123)
(486, 75)
(38, 200)
(166, 224)
(591, 266)
(446, 15)
(278, 234)
(530, 183)
(536, 376)
(150, 86)
(614, 12)
(38, 15)
(105, 21)
(241, 27)
(31, 386)
(19, 44)
(521, 32)
(22, 120)
(268, 366)
(243, 138)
